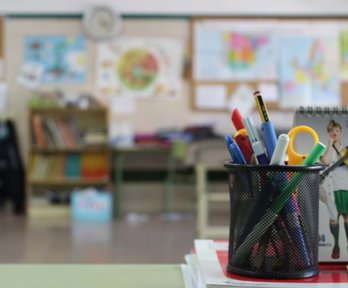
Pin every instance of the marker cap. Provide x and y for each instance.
(237, 119)
(280, 150)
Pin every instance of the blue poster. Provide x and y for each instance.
(62, 58)
(309, 71)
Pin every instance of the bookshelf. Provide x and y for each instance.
(68, 149)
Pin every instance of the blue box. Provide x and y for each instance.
(91, 205)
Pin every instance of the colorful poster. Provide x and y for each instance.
(139, 67)
(309, 71)
(233, 52)
(62, 58)
(344, 54)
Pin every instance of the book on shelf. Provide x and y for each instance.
(94, 165)
(56, 136)
(73, 166)
(85, 166)
(94, 137)
(50, 140)
(44, 166)
(60, 166)
(206, 266)
(75, 130)
(39, 134)
(65, 132)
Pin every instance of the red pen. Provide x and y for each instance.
(243, 142)
(237, 119)
(241, 137)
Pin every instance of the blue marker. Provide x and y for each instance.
(269, 135)
(234, 150)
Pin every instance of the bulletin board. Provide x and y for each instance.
(1, 37)
(296, 61)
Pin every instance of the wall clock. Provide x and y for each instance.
(101, 22)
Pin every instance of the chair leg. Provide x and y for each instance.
(202, 205)
(169, 185)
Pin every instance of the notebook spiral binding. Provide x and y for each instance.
(322, 111)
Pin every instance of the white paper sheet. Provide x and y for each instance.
(269, 92)
(122, 105)
(30, 75)
(243, 99)
(186, 276)
(121, 134)
(211, 97)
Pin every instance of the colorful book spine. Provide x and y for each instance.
(39, 133)
(73, 166)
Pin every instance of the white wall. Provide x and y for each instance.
(184, 7)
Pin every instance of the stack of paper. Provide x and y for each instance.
(205, 267)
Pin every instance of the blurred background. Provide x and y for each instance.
(113, 115)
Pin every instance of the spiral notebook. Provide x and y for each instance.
(333, 232)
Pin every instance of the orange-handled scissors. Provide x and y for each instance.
(295, 158)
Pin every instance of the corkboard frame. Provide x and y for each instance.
(2, 37)
(232, 85)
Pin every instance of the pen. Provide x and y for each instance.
(271, 213)
(269, 135)
(243, 142)
(235, 152)
(241, 136)
(237, 157)
(280, 150)
(256, 143)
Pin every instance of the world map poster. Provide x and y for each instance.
(223, 53)
(309, 71)
(150, 67)
(61, 58)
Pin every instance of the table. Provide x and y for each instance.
(91, 276)
(119, 156)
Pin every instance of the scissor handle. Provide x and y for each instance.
(295, 158)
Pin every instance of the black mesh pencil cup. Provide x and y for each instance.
(273, 220)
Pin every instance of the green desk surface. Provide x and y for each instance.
(90, 276)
